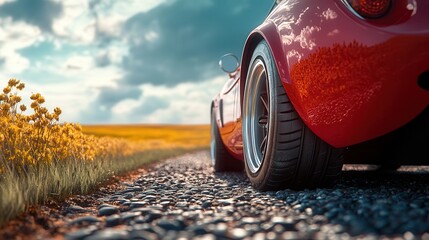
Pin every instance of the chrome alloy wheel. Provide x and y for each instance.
(256, 113)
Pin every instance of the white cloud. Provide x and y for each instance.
(112, 14)
(110, 26)
(151, 36)
(115, 52)
(71, 83)
(81, 68)
(79, 23)
(16, 36)
(5, 1)
(74, 92)
(79, 63)
(129, 8)
(15, 63)
(76, 23)
(125, 108)
(70, 97)
(189, 103)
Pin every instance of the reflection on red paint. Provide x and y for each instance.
(341, 86)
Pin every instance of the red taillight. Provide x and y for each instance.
(370, 8)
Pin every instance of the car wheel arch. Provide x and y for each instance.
(273, 41)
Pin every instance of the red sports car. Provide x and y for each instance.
(322, 83)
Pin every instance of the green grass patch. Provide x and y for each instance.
(65, 178)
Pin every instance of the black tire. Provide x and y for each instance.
(221, 159)
(291, 156)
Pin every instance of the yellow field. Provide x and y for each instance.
(155, 136)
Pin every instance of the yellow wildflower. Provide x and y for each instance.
(41, 100)
(23, 107)
(57, 111)
(7, 90)
(15, 99)
(34, 105)
(35, 96)
(5, 107)
(20, 86)
(12, 82)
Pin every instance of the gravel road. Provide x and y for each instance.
(184, 198)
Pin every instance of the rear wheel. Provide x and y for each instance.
(221, 159)
(279, 150)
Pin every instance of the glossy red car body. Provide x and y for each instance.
(350, 79)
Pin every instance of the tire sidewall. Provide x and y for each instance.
(213, 129)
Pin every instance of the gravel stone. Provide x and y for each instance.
(226, 202)
(197, 229)
(113, 220)
(152, 216)
(107, 211)
(168, 225)
(138, 204)
(128, 196)
(128, 216)
(84, 220)
(182, 204)
(165, 203)
(183, 198)
(109, 234)
(76, 209)
(143, 235)
(150, 198)
(206, 204)
(238, 233)
(104, 205)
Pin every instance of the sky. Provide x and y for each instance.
(124, 61)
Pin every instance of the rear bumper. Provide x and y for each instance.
(364, 92)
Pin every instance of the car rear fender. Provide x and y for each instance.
(268, 32)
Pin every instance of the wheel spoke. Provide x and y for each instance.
(263, 145)
(263, 120)
(264, 101)
(258, 161)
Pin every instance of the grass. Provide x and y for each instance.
(62, 179)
